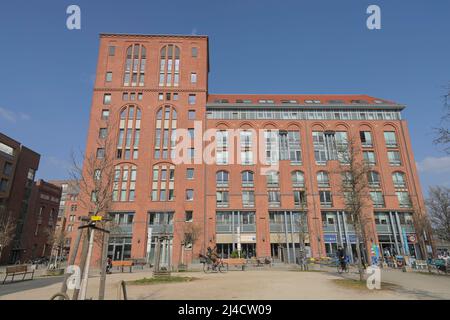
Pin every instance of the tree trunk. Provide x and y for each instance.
(101, 291)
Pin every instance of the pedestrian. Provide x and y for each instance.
(108, 265)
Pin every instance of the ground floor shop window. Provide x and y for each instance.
(119, 248)
(229, 250)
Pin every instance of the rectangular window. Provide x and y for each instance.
(107, 98)
(299, 198)
(193, 77)
(366, 138)
(191, 114)
(111, 51)
(274, 198)
(222, 199)
(3, 185)
(103, 132)
(7, 169)
(390, 139)
(108, 77)
(190, 173)
(188, 216)
(369, 157)
(394, 158)
(105, 114)
(175, 96)
(192, 99)
(160, 96)
(325, 199)
(189, 195)
(403, 199)
(248, 198)
(100, 153)
(377, 199)
(191, 133)
(194, 52)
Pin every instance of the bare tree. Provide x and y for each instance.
(443, 132)
(302, 229)
(95, 179)
(190, 234)
(355, 189)
(56, 239)
(7, 228)
(439, 210)
(422, 226)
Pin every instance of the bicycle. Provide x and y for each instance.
(209, 266)
(342, 267)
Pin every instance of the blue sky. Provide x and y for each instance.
(256, 46)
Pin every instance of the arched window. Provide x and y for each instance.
(129, 133)
(222, 178)
(273, 179)
(298, 179)
(124, 186)
(169, 66)
(399, 179)
(247, 178)
(373, 179)
(322, 179)
(163, 182)
(166, 132)
(135, 63)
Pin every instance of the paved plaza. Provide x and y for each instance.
(274, 283)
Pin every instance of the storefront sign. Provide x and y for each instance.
(248, 238)
(412, 238)
(330, 238)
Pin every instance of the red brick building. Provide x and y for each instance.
(31, 206)
(68, 209)
(154, 90)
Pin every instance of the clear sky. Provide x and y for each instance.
(256, 46)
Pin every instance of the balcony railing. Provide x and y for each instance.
(274, 204)
(228, 228)
(123, 228)
(329, 228)
(247, 184)
(162, 228)
(409, 228)
(280, 227)
(391, 144)
(383, 228)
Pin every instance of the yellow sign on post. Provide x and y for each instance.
(96, 218)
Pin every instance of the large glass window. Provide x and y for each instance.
(323, 179)
(135, 63)
(399, 179)
(166, 133)
(129, 133)
(222, 179)
(169, 66)
(298, 179)
(247, 178)
(390, 139)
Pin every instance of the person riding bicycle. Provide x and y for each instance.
(342, 257)
(212, 254)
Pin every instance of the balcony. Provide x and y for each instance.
(329, 228)
(279, 227)
(228, 228)
(122, 229)
(409, 228)
(162, 228)
(383, 228)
